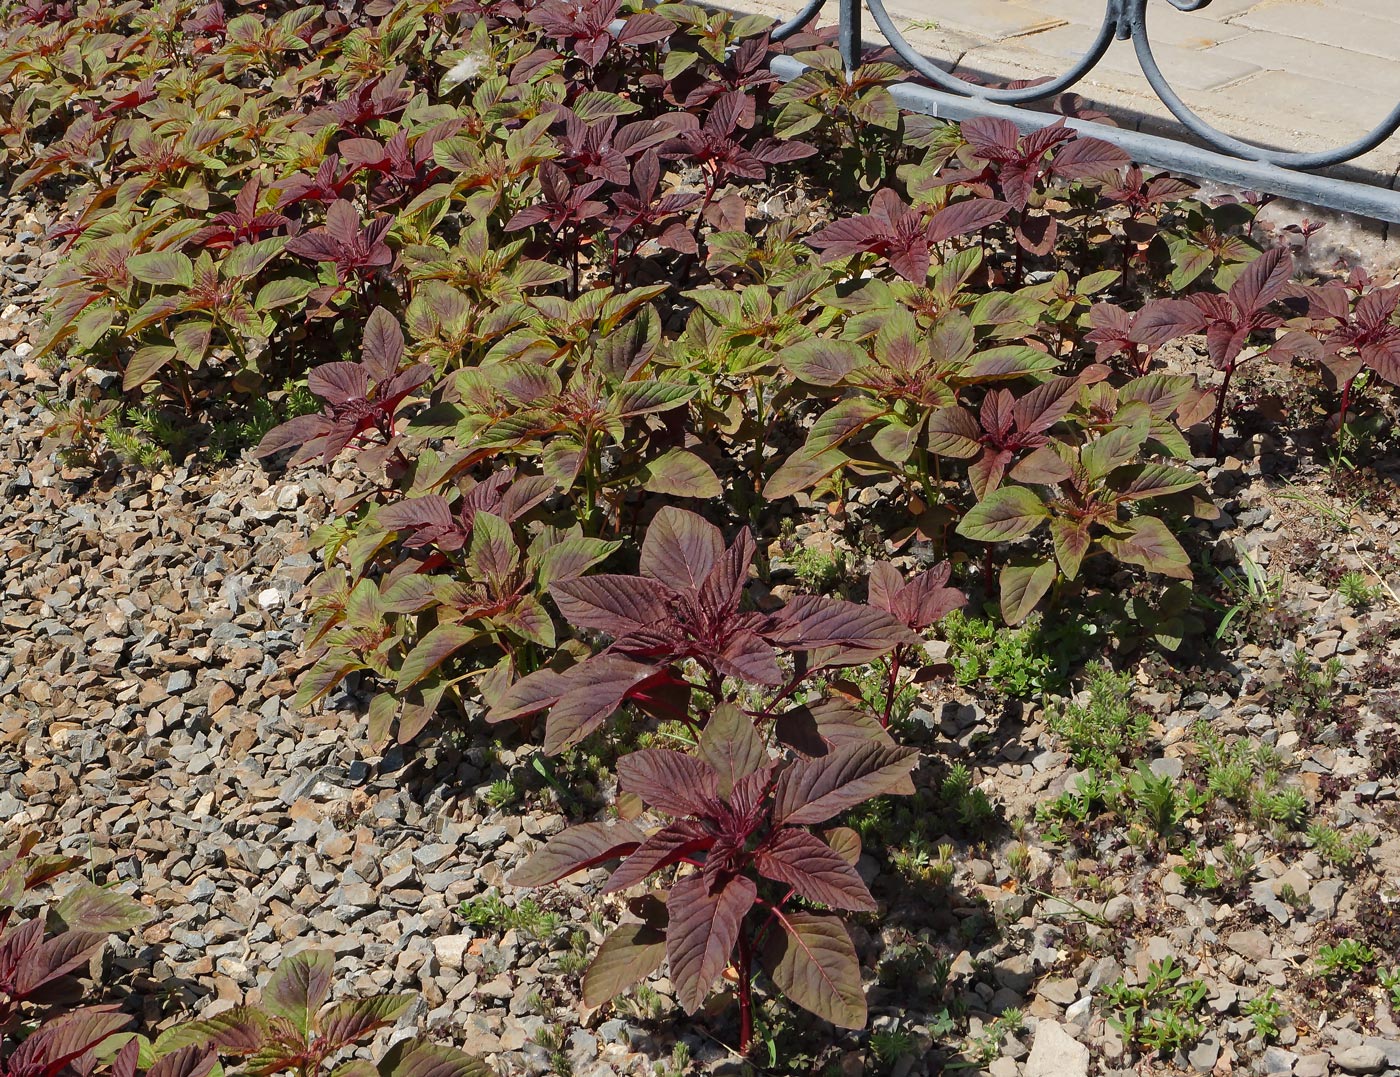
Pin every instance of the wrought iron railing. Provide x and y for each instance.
(1222, 157)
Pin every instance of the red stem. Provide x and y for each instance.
(890, 688)
(1346, 406)
(745, 993)
(1220, 412)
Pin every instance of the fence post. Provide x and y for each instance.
(849, 22)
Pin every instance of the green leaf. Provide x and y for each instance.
(635, 398)
(840, 423)
(94, 908)
(1147, 541)
(434, 649)
(1188, 260)
(162, 268)
(630, 954)
(1097, 282)
(1023, 585)
(1071, 538)
(283, 291)
(352, 1019)
(813, 962)
(1008, 513)
(192, 340)
(679, 473)
(820, 361)
(92, 325)
(382, 709)
(415, 1058)
(145, 364)
(156, 309)
(299, 988)
(1113, 449)
(1139, 481)
(895, 442)
(801, 471)
(249, 259)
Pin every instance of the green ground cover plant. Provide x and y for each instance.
(528, 277)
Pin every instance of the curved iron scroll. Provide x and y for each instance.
(1229, 159)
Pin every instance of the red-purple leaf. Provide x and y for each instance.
(813, 790)
(813, 962)
(680, 548)
(299, 987)
(970, 215)
(382, 346)
(669, 845)
(810, 622)
(731, 745)
(575, 849)
(703, 929)
(611, 603)
(596, 689)
(669, 781)
(1088, 158)
(813, 869)
(1162, 320)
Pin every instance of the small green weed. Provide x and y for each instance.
(986, 1047)
(1390, 983)
(818, 570)
(1338, 849)
(1160, 1015)
(1265, 1012)
(575, 959)
(1022, 663)
(1346, 957)
(491, 913)
(678, 1065)
(501, 794)
(554, 1042)
(889, 1044)
(1106, 730)
(1163, 803)
(1356, 592)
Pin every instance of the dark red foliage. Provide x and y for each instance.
(640, 210)
(584, 26)
(918, 602)
(374, 99)
(403, 169)
(430, 520)
(207, 21)
(242, 224)
(903, 235)
(564, 204)
(361, 398)
(1015, 164)
(601, 151)
(354, 247)
(715, 147)
(326, 186)
(685, 606)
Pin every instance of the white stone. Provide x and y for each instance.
(451, 950)
(269, 598)
(1056, 1053)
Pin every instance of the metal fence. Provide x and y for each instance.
(1219, 157)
